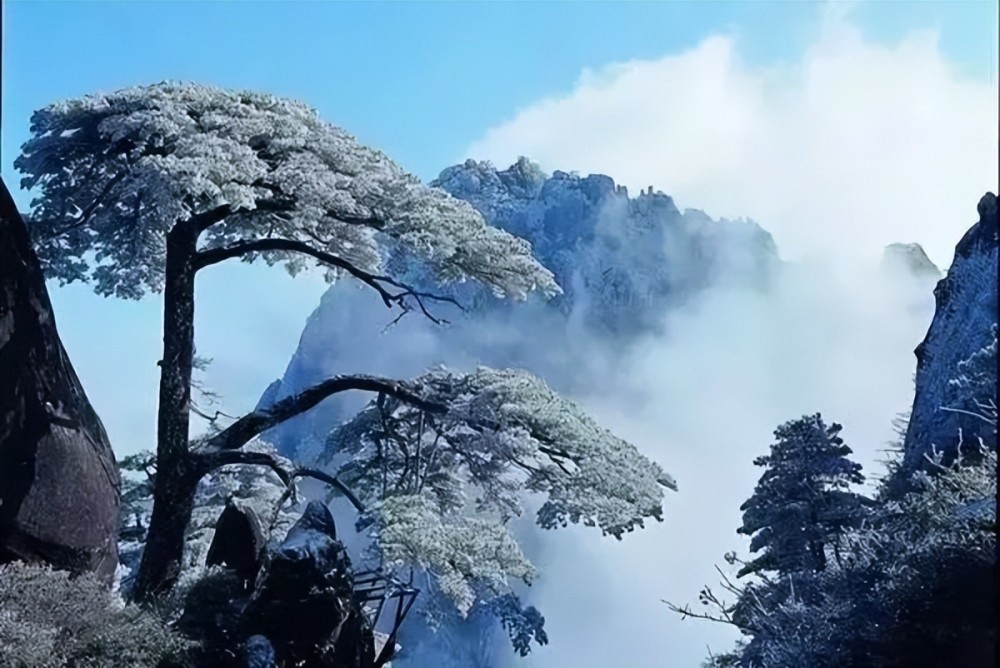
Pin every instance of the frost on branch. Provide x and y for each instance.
(802, 502)
(471, 558)
(505, 431)
(114, 173)
(975, 388)
(441, 488)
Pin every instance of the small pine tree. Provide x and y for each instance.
(802, 501)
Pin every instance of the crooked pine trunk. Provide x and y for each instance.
(177, 472)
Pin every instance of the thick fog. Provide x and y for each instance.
(728, 371)
(856, 146)
(702, 398)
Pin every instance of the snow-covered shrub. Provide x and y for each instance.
(916, 585)
(49, 619)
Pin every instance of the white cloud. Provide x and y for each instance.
(855, 146)
(732, 367)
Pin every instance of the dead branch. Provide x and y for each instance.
(214, 460)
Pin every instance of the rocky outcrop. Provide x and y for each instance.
(304, 598)
(620, 260)
(238, 542)
(59, 483)
(909, 259)
(301, 609)
(961, 335)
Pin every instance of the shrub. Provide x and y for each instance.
(49, 619)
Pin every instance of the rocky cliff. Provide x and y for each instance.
(909, 259)
(59, 484)
(620, 259)
(622, 262)
(959, 349)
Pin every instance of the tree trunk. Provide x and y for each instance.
(59, 482)
(173, 504)
(177, 473)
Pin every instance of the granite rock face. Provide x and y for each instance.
(238, 542)
(961, 338)
(623, 263)
(620, 259)
(304, 595)
(59, 482)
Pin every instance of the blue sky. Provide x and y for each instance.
(420, 80)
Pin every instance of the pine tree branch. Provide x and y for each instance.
(252, 424)
(209, 462)
(384, 285)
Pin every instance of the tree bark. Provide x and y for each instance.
(177, 473)
(59, 482)
(178, 467)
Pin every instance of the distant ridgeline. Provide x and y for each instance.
(621, 261)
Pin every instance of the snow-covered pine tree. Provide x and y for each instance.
(141, 189)
(438, 490)
(802, 501)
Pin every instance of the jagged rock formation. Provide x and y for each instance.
(964, 324)
(59, 483)
(909, 277)
(622, 262)
(623, 259)
(909, 259)
(304, 595)
(238, 542)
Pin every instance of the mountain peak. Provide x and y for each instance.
(911, 259)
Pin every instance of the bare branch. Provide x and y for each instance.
(334, 482)
(209, 461)
(985, 418)
(382, 284)
(211, 418)
(250, 425)
(687, 612)
(213, 460)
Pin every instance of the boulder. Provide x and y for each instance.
(238, 542)
(304, 594)
(59, 482)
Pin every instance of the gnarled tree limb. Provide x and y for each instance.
(250, 425)
(213, 460)
(379, 283)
